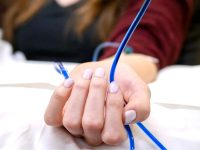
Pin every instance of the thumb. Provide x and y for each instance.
(137, 108)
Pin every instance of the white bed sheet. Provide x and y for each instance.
(25, 94)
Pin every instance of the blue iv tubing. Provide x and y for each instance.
(60, 68)
(100, 47)
(113, 68)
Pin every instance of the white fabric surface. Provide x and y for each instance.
(6, 52)
(25, 89)
(177, 85)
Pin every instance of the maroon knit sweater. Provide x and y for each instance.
(161, 32)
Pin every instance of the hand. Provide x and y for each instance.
(89, 106)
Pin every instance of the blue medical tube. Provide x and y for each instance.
(127, 37)
(100, 47)
(130, 31)
(108, 44)
(61, 69)
(151, 136)
(118, 53)
(113, 68)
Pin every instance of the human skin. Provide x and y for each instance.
(88, 106)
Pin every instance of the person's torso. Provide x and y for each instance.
(47, 36)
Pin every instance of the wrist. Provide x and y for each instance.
(145, 66)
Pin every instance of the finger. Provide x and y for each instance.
(114, 132)
(73, 113)
(137, 108)
(93, 117)
(53, 114)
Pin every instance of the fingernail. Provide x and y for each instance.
(68, 82)
(87, 74)
(130, 116)
(99, 72)
(113, 87)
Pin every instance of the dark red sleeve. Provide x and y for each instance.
(160, 33)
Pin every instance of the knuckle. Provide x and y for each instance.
(92, 124)
(52, 121)
(58, 95)
(145, 112)
(80, 85)
(94, 142)
(112, 138)
(71, 124)
(98, 83)
(114, 103)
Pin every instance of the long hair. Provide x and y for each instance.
(107, 12)
(18, 12)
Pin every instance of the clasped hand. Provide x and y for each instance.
(87, 105)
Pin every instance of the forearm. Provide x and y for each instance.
(160, 33)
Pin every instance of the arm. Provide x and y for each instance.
(160, 34)
(86, 105)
